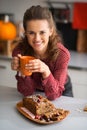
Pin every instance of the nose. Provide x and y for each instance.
(37, 37)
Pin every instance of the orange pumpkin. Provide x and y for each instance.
(7, 30)
(0, 26)
(1, 22)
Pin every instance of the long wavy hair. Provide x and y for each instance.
(41, 13)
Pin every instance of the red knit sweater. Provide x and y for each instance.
(53, 85)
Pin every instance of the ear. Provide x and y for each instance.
(51, 31)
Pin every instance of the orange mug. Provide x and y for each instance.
(23, 61)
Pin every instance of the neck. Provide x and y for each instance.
(41, 55)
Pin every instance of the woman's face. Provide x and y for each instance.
(38, 32)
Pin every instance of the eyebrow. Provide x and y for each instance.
(35, 32)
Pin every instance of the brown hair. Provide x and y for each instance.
(41, 13)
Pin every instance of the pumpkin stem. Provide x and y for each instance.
(6, 19)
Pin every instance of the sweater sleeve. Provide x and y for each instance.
(54, 84)
(16, 51)
(25, 85)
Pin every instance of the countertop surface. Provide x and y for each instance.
(11, 119)
(5, 57)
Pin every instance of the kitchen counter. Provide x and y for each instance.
(11, 119)
(78, 60)
(4, 57)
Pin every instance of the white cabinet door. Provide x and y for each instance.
(78, 76)
(79, 82)
(7, 76)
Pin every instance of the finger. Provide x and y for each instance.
(35, 70)
(19, 55)
(32, 66)
(33, 61)
(14, 65)
(15, 60)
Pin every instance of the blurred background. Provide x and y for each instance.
(71, 19)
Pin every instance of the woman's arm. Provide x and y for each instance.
(54, 83)
(25, 85)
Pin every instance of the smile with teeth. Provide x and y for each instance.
(37, 44)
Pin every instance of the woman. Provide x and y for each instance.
(49, 69)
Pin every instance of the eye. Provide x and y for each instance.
(42, 32)
(30, 32)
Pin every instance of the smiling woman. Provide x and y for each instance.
(49, 68)
(38, 37)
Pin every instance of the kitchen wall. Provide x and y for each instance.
(18, 7)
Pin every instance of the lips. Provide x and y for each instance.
(37, 44)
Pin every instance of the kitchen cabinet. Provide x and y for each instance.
(79, 82)
(7, 76)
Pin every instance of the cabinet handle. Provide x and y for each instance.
(2, 67)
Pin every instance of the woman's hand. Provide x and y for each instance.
(15, 63)
(37, 65)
